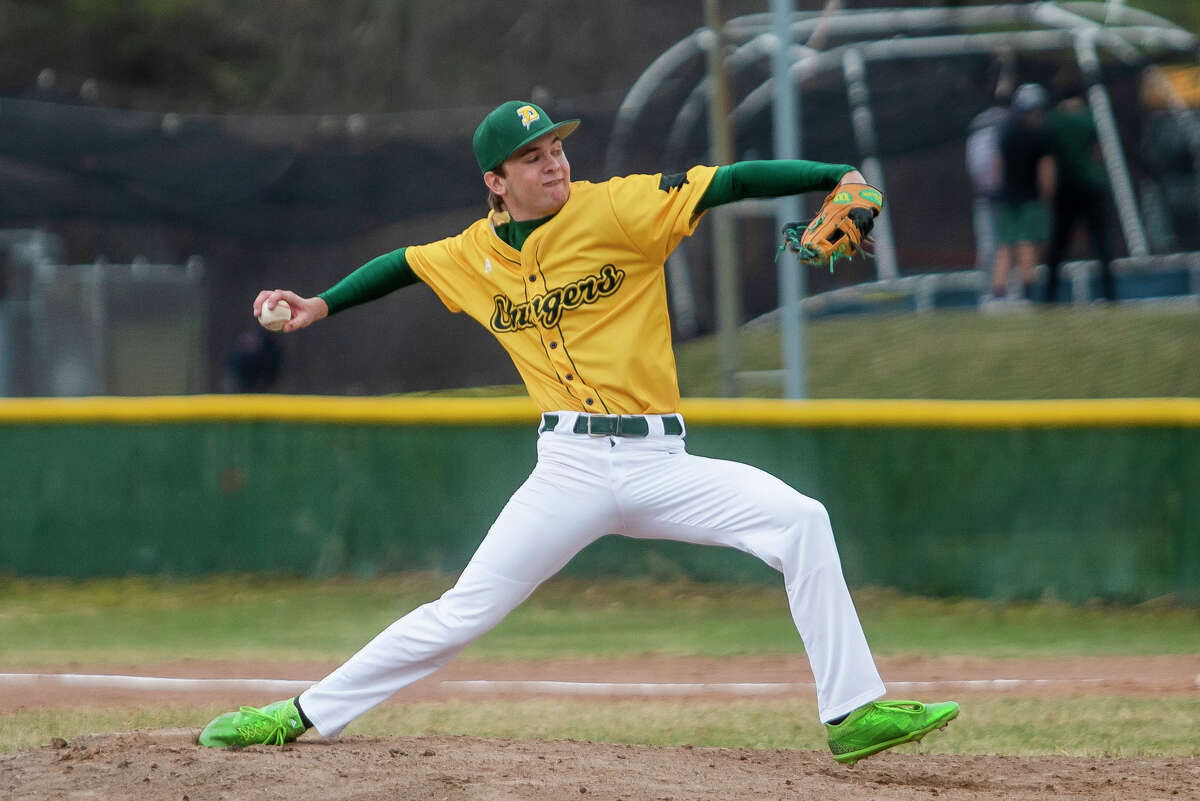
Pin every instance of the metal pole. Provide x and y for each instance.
(728, 290)
(785, 112)
(872, 168)
(1110, 144)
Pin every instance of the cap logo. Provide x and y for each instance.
(529, 115)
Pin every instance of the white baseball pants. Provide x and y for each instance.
(584, 487)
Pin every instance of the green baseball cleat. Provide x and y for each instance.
(274, 724)
(880, 725)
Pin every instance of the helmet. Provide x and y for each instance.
(1028, 97)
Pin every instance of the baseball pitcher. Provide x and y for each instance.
(568, 276)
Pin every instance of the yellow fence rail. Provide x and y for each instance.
(1118, 412)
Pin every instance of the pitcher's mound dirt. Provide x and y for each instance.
(168, 765)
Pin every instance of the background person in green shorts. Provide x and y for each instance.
(1028, 180)
(1080, 192)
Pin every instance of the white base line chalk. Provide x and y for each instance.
(102, 681)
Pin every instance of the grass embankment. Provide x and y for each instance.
(1054, 353)
(136, 620)
(1123, 352)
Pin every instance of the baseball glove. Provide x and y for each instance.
(841, 228)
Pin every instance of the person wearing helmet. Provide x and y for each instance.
(1028, 182)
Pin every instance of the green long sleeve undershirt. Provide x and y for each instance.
(746, 179)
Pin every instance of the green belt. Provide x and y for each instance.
(616, 425)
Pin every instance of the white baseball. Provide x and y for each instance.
(273, 319)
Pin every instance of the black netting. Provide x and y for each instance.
(259, 178)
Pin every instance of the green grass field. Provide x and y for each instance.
(124, 621)
(138, 619)
(1115, 726)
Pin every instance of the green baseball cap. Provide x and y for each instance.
(511, 126)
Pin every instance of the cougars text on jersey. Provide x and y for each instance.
(547, 309)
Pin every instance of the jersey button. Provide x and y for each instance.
(588, 401)
(532, 278)
(570, 377)
(553, 345)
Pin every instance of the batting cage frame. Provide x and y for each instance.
(815, 56)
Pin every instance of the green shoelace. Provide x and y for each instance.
(263, 728)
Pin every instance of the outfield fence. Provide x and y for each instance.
(1075, 500)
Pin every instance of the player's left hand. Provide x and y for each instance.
(841, 228)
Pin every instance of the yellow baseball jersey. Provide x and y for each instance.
(582, 307)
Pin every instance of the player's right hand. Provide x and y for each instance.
(305, 311)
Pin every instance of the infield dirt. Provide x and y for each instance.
(167, 764)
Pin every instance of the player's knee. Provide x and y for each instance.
(809, 512)
(811, 531)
